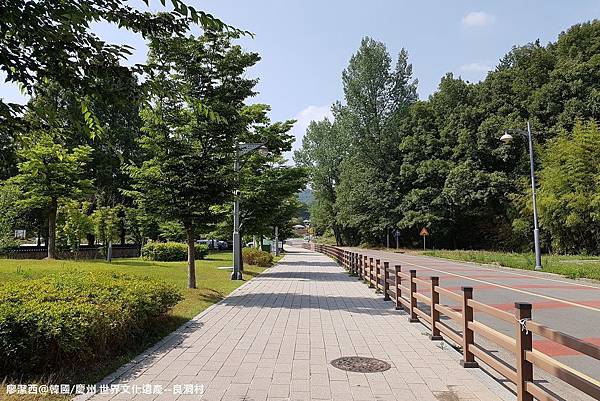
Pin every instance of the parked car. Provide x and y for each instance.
(214, 244)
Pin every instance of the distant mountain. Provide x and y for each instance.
(306, 197)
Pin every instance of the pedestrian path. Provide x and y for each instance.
(274, 338)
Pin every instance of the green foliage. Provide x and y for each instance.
(75, 319)
(389, 162)
(106, 223)
(73, 223)
(256, 257)
(172, 231)
(187, 168)
(50, 171)
(9, 214)
(171, 251)
(569, 190)
(570, 266)
(40, 41)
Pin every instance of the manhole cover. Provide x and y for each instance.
(360, 364)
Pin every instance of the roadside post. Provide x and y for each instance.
(424, 233)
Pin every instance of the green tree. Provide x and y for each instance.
(74, 223)
(569, 199)
(106, 223)
(50, 173)
(324, 146)
(10, 211)
(377, 96)
(187, 169)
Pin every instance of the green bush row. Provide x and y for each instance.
(253, 256)
(171, 251)
(76, 318)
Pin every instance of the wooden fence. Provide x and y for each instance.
(403, 287)
(85, 252)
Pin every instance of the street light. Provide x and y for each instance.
(241, 150)
(507, 138)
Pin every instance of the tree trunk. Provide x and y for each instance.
(191, 257)
(91, 239)
(52, 229)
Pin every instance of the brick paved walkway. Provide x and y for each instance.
(273, 339)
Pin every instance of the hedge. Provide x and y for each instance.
(76, 318)
(253, 256)
(171, 251)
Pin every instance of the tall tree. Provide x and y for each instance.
(187, 169)
(324, 146)
(377, 96)
(49, 173)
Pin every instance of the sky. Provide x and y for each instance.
(305, 45)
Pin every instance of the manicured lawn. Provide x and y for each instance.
(572, 266)
(213, 285)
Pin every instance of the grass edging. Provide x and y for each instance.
(562, 266)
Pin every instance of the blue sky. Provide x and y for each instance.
(306, 44)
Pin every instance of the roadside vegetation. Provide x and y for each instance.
(390, 163)
(144, 300)
(571, 266)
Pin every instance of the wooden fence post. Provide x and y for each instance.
(365, 267)
(435, 314)
(523, 336)
(386, 277)
(468, 360)
(370, 273)
(360, 267)
(397, 281)
(413, 300)
(377, 273)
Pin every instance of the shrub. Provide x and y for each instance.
(76, 318)
(171, 251)
(253, 256)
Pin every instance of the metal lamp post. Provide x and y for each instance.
(240, 150)
(507, 138)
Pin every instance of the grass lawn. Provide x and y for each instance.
(213, 285)
(577, 266)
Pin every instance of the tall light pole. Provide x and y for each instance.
(240, 150)
(507, 138)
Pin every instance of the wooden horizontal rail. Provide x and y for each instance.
(498, 365)
(588, 349)
(448, 293)
(579, 380)
(403, 288)
(446, 311)
(495, 312)
(391, 291)
(538, 392)
(404, 302)
(423, 315)
(421, 281)
(446, 330)
(390, 282)
(422, 298)
(495, 336)
(404, 276)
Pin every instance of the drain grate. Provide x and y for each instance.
(360, 364)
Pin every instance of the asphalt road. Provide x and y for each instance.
(570, 306)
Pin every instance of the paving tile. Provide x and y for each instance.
(273, 338)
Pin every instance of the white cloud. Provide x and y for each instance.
(304, 117)
(476, 67)
(478, 18)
